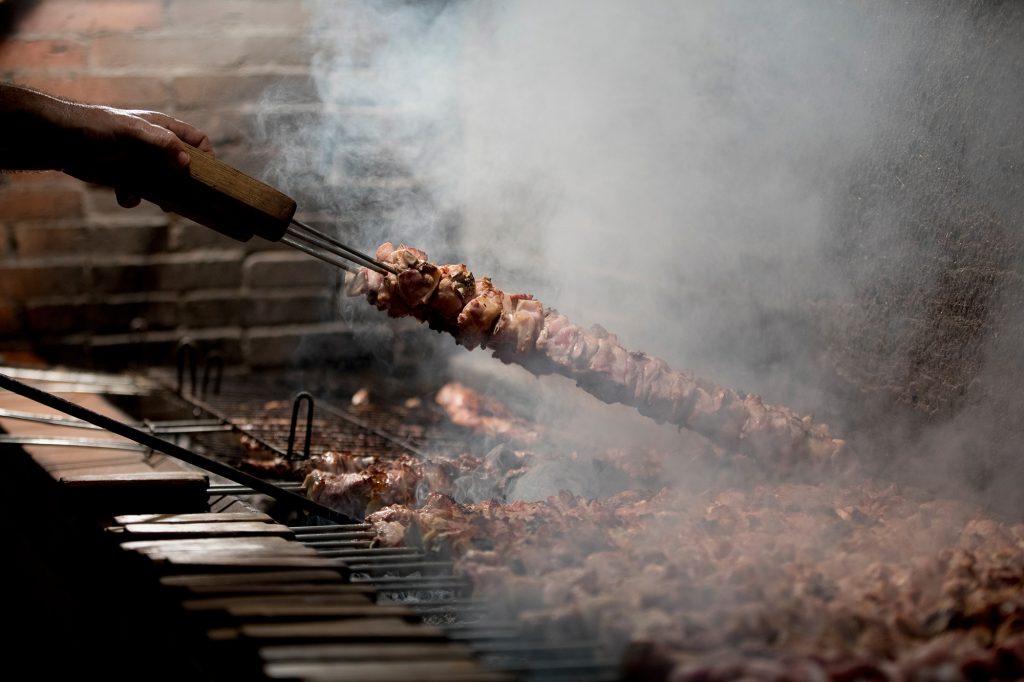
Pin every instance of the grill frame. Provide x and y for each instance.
(406, 578)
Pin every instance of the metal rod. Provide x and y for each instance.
(302, 396)
(51, 419)
(101, 382)
(334, 242)
(186, 350)
(393, 564)
(213, 360)
(313, 530)
(316, 242)
(168, 427)
(170, 449)
(353, 535)
(326, 257)
(50, 441)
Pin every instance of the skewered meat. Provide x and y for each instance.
(778, 582)
(490, 417)
(518, 328)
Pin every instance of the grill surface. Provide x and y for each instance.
(303, 639)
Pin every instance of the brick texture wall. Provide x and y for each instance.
(83, 280)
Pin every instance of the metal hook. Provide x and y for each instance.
(214, 359)
(185, 348)
(295, 420)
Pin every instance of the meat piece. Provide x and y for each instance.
(348, 494)
(357, 493)
(476, 320)
(275, 467)
(454, 290)
(356, 486)
(518, 328)
(471, 410)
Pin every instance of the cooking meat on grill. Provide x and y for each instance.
(402, 480)
(518, 328)
(479, 413)
(775, 582)
(266, 463)
(356, 488)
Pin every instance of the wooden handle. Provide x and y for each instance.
(218, 196)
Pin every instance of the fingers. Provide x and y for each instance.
(157, 136)
(126, 199)
(186, 132)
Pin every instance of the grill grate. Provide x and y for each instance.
(259, 413)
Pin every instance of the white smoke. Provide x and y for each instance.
(667, 169)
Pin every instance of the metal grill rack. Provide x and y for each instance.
(264, 413)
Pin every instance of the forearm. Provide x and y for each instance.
(33, 129)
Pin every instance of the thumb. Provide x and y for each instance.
(126, 198)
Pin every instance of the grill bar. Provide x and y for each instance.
(170, 449)
(403, 578)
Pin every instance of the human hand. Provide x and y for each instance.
(104, 144)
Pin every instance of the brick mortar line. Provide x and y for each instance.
(162, 258)
(165, 32)
(216, 333)
(163, 73)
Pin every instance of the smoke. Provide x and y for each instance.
(746, 189)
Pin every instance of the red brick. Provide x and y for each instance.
(118, 351)
(278, 50)
(186, 235)
(289, 307)
(9, 325)
(115, 315)
(176, 272)
(33, 203)
(191, 92)
(146, 237)
(154, 347)
(202, 270)
(48, 240)
(283, 15)
(48, 319)
(211, 51)
(39, 278)
(134, 92)
(41, 54)
(277, 269)
(146, 52)
(212, 309)
(90, 16)
(36, 238)
(50, 178)
(302, 344)
(100, 202)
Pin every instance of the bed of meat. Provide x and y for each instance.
(772, 576)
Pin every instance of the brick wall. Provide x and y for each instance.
(83, 280)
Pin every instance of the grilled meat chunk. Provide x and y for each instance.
(477, 412)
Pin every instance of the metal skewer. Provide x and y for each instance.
(317, 244)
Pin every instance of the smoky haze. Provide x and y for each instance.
(718, 183)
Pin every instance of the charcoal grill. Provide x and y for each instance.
(296, 637)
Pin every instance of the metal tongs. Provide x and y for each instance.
(225, 199)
